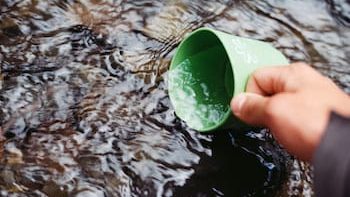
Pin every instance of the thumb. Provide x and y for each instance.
(250, 108)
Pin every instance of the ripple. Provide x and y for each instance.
(84, 105)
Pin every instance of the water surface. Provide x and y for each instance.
(84, 109)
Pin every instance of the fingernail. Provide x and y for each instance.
(237, 103)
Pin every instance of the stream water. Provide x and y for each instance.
(84, 109)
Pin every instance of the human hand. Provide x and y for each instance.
(294, 102)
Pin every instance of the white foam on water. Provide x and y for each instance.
(196, 115)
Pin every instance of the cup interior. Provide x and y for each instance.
(201, 81)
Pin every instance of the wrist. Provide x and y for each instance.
(343, 105)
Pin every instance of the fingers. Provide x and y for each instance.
(272, 80)
(250, 108)
(268, 81)
(265, 85)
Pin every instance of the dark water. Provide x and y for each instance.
(84, 105)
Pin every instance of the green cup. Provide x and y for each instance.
(210, 68)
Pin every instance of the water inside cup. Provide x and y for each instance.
(201, 88)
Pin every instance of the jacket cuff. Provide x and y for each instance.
(332, 159)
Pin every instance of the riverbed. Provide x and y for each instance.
(84, 107)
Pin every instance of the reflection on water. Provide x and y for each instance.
(84, 107)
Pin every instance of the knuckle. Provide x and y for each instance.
(246, 108)
(272, 108)
(302, 69)
(300, 65)
(249, 109)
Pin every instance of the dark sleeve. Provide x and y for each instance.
(332, 159)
